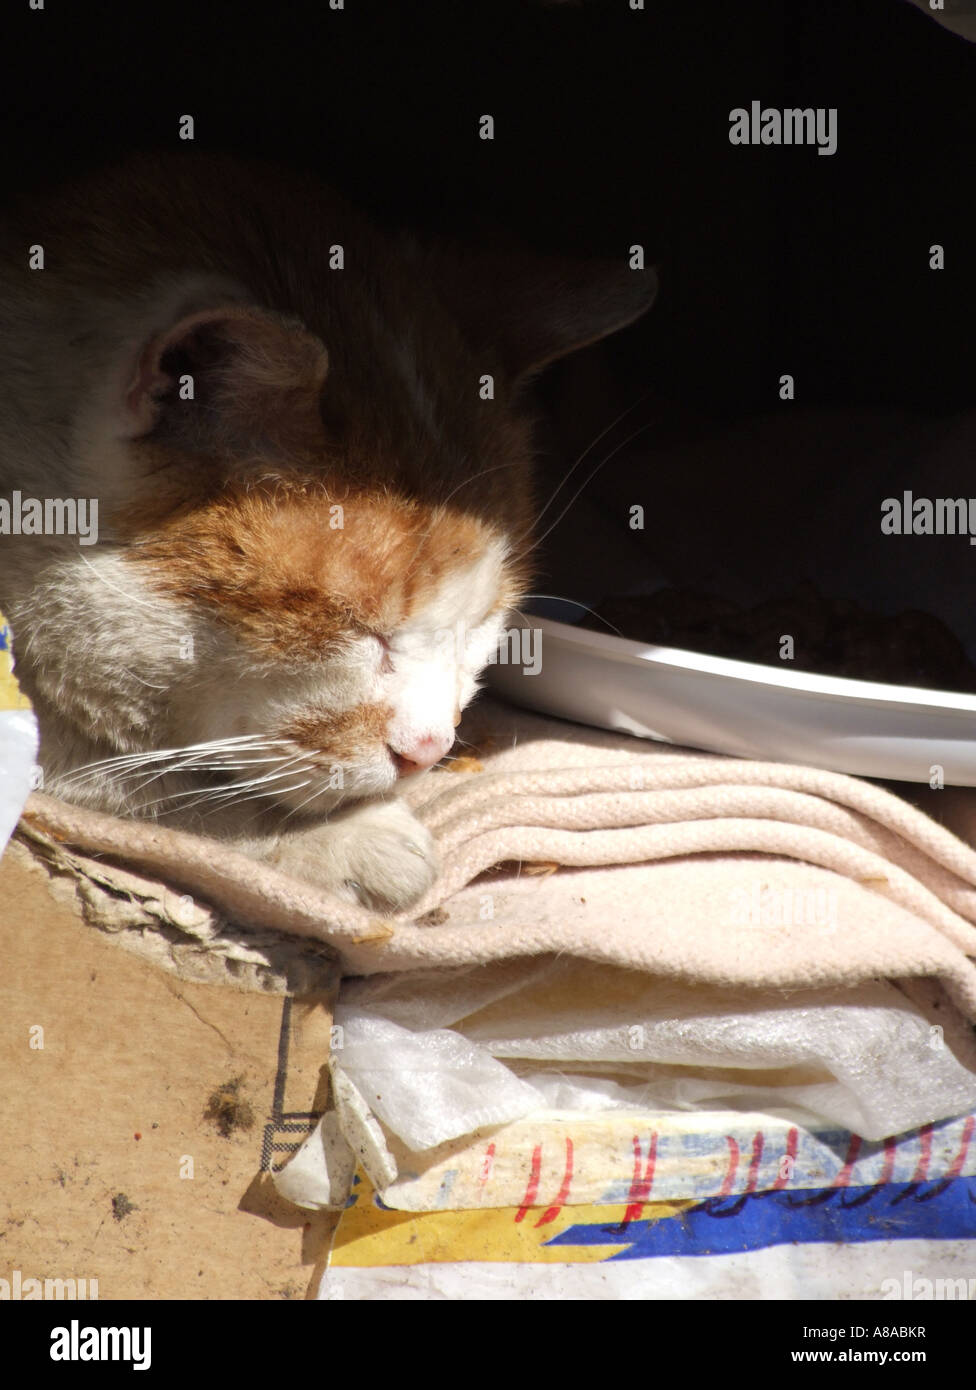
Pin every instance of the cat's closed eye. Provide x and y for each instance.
(314, 519)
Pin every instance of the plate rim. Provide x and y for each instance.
(841, 688)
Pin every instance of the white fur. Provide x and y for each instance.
(101, 652)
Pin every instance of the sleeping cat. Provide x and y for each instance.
(310, 456)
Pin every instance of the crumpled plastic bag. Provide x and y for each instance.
(438, 1055)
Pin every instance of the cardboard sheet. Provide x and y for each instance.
(142, 1113)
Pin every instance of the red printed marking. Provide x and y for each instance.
(563, 1192)
(640, 1183)
(955, 1167)
(843, 1178)
(888, 1167)
(925, 1158)
(640, 1186)
(488, 1162)
(754, 1162)
(792, 1143)
(729, 1178)
(532, 1191)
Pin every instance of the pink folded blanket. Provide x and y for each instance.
(559, 839)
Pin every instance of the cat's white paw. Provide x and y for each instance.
(377, 854)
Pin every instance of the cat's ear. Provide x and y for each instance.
(562, 306)
(233, 378)
(535, 311)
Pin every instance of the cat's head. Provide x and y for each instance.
(312, 534)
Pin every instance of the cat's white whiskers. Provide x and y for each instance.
(261, 810)
(319, 792)
(437, 519)
(308, 799)
(221, 766)
(289, 770)
(106, 764)
(588, 479)
(228, 795)
(561, 598)
(225, 798)
(589, 448)
(278, 791)
(239, 742)
(132, 773)
(191, 767)
(231, 788)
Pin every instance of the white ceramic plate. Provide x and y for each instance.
(744, 709)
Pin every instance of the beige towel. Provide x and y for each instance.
(667, 854)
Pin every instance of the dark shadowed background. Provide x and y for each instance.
(611, 127)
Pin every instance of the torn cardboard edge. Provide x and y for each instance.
(174, 930)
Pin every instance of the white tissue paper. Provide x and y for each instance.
(437, 1055)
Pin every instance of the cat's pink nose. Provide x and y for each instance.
(420, 753)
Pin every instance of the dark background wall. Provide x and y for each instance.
(611, 127)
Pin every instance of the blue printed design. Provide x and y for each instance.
(943, 1210)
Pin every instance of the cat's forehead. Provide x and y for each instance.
(477, 584)
(294, 568)
(406, 396)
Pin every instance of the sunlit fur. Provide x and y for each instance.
(300, 571)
